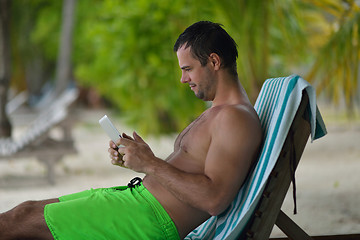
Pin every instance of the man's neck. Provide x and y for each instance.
(229, 92)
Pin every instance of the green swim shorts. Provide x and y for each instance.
(110, 213)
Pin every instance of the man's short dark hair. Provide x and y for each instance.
(206, 37)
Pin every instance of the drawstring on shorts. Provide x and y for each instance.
(134, 182)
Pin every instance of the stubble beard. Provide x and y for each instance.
(206, 88)
(203, 93)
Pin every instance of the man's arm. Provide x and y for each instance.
(236, 137)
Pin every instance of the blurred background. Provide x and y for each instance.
(118, 54)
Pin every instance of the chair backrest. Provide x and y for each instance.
(277, 104)
(51, 116)
(264, 217)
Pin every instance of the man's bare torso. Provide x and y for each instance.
(190, 151)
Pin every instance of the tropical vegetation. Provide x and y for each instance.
(123, 49)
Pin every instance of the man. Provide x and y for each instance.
(210, 161)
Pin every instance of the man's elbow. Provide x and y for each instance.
(215, 208)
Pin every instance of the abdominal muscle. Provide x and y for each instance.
(185, 217)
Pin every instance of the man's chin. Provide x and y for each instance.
(201, 96)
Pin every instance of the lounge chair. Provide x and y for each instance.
(288, 114)
(36, 141)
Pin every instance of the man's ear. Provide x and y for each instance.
(215, 61)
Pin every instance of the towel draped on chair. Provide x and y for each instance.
(276, 105)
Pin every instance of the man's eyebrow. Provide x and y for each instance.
(184, 67)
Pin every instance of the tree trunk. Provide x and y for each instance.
(63, 67)
(5, 70)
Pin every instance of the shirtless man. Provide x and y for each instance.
(210, 161)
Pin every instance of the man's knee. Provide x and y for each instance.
(30, 208)
(26, 219)
(21, 212)
(25, 208)
(12, 220)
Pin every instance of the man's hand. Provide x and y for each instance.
(134, 153)
(115, 156)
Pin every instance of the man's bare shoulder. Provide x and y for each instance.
(237, 123)
(237, 115)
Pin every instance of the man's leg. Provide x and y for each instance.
(26, 221)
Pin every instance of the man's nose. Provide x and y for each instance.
(184, 78)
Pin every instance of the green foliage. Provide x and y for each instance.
(336, 69)
(35, 39)
(270, 37)
(124, 49)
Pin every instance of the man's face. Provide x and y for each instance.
(200, 78)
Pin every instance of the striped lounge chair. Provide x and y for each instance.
(36, 141)
(288, 114)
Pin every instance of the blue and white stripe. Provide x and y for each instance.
(276, 106)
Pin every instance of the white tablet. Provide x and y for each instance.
(109, 128)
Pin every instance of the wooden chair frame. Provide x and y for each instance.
(268, 211)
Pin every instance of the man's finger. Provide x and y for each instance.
(121, 150)
(127, 136)
(138, 138)
(112, 144)
(123, 141)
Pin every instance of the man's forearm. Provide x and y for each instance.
(196, 190)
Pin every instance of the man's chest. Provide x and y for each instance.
(195, 139)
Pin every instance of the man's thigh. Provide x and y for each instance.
(110, 213)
